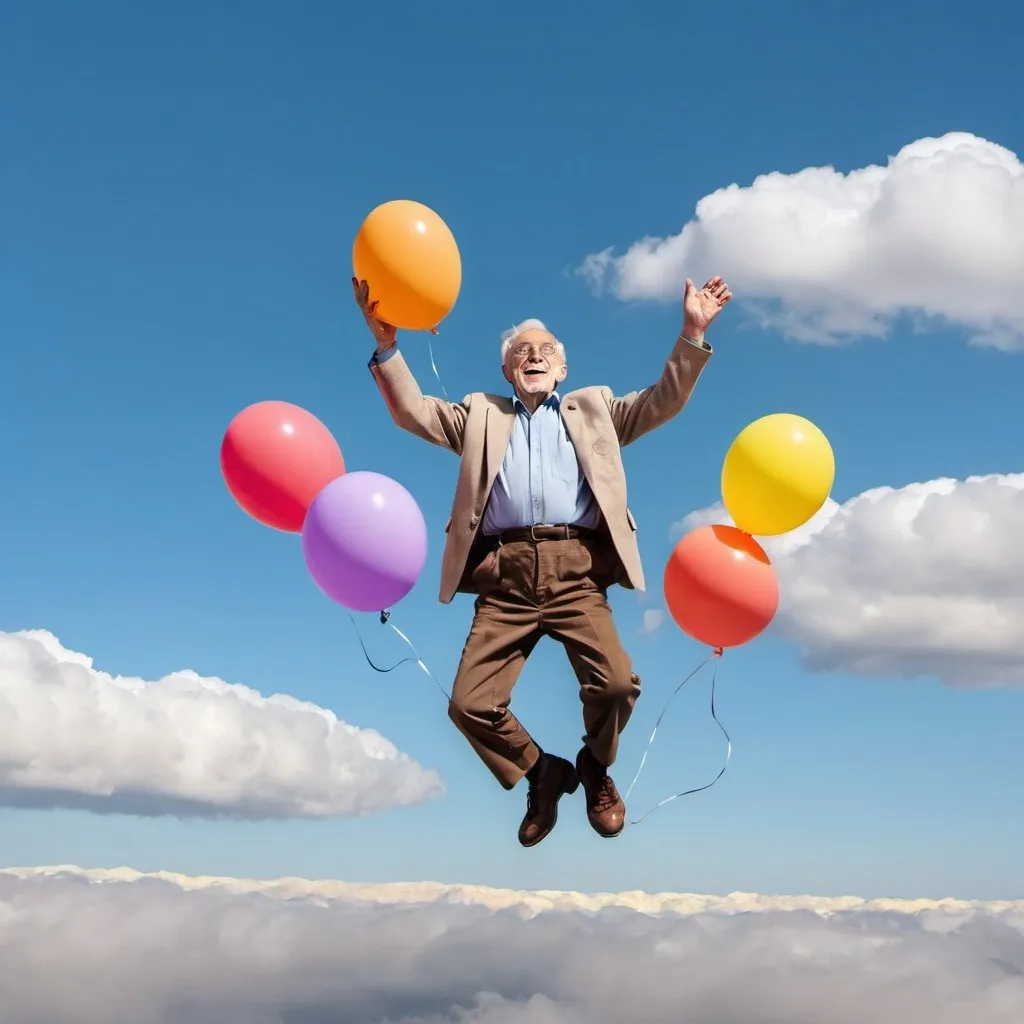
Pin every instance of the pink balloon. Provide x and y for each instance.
(276, 458)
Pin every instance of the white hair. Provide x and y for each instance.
(507, 337)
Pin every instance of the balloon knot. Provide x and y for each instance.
(717, 652)
(384, 616)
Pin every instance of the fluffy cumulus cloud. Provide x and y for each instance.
(129, 949)
(75, 737)
(936, 233)
(922, 580)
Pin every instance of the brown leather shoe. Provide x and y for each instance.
(555, 777)
(605, 809)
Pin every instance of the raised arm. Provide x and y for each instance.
(640, 412)
(439, 422)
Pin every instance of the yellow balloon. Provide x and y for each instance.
(407, 255)
(777, 474)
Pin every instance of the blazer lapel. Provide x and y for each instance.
(576, 428)
(498, 431)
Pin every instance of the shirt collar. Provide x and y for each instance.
(553, 401)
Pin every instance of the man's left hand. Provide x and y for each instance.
(701, 307)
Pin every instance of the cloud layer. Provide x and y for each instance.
(923, 580)
(936, 233)
(134, 949)
(75, 737)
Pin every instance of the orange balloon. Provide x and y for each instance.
(720, 587)
(408, 257)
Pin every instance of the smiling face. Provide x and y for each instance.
(534, 364)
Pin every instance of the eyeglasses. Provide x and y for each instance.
(547, 349)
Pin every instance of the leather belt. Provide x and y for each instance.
(534, 534)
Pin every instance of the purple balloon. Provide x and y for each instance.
(364, 541)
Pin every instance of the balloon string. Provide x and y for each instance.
(384, 617)
(433, 366)
(717, 653)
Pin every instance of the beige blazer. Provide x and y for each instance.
(599, 423)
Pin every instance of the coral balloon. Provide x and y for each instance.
(365, 541)
(777, 474)
(720, 587)
(408, 257)
(276, 458)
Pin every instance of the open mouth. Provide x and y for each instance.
(534, 373)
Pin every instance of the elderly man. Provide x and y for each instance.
(539, 531)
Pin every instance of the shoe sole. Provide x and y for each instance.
(608, 835)
(567, 790)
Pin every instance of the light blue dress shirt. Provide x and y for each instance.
(540, 481)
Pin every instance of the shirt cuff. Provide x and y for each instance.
(699, 344)
(382, 357)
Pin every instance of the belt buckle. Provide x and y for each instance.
(565, 529)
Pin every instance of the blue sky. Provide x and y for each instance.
(182, 187)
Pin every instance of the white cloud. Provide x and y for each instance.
(654, 619)
(75, 737)
(936, 233)
(134, 949)
(923, 580)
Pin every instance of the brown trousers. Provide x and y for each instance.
(526, 590)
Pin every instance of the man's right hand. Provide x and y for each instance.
(384, 334)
